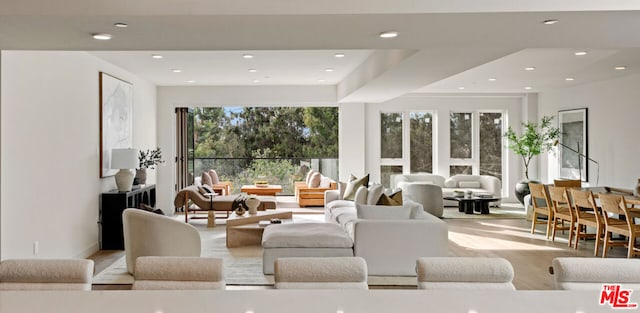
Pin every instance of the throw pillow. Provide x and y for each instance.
(352, 186)
(393, 199)
(214, 177)
(450, 183)
(469, 184)
(374, 194)
(314, 181)
(361, 195)
(417, 210)
(309, 173)
(206, 179)
(325, 182)
(378, 212)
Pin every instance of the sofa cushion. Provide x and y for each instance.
(450, 183)
(325, 182)
(314, 180)
(306, 235)
(337, 213)
(469, 184)
(214, 177)
(339, 203)
(417, 210)
(381, 212)
(308, 177)
(352, 186)
(393, 199)
(361, 195)
(374, 194)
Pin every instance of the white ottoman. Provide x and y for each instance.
(303, 240)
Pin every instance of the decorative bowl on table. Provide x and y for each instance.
(261, 183)
(458, 193)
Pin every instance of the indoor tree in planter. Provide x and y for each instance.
(535, 139)
(147, 159)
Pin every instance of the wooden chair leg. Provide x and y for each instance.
(571, 230)
(549, 221)
(597, 248)
(607, 237)
(632, 244)
(533, 222)
(553, 231)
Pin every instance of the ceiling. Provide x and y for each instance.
(443, 45)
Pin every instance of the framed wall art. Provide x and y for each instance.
(573, 147)
(116, 119)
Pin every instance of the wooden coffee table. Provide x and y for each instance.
(267, 190)
(245, 230)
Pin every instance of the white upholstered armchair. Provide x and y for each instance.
(150, 234)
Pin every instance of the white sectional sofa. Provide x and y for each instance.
(476, 183)
(390, 246)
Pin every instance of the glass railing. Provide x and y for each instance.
(276, 171)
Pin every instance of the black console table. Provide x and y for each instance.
(112, 204)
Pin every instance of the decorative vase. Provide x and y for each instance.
(240, 210)
(252, 203)
(141, 176)
(522, 189)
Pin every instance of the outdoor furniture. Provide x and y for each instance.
(261, 190)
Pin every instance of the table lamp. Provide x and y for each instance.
(125, 160)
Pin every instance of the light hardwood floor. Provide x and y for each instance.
(511, 239)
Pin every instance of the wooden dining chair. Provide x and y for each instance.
(541, 206)
(616, 205)
(562, 212)
(587, 214)
(568, 183)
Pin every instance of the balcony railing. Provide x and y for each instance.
(276, 171)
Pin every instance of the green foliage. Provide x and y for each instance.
(391, 135)
(535, 139)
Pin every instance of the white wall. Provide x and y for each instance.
(613, 112)
(352, 141)
(170, 98)
(50, 150)
(442, 105)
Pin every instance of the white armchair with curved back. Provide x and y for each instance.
(150, 234)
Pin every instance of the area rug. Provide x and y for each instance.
(242, 266)
(505, 211)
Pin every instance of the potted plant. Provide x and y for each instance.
(535, 139)
(147, 159)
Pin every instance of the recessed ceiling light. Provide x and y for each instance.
(191, 81)
(157, 56)
(461, 88)
(527, 88)
(121, 25)
(530, 68)
(252, 70)
(569, 79)
(549, 22)
(328, 70)
(256, 80)
(580, 53)
(247, 56)
(620, 68)
(101, 36)
(389, 34)
(176, 70)
(492, 79)
(321, 80)
(339, 55)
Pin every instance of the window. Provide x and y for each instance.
(460, 130)
(406, 145)
(491, 144)
(421, 142)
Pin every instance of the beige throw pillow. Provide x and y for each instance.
(352, 186)
(214, 177)
(314, 181)
(206, 179)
